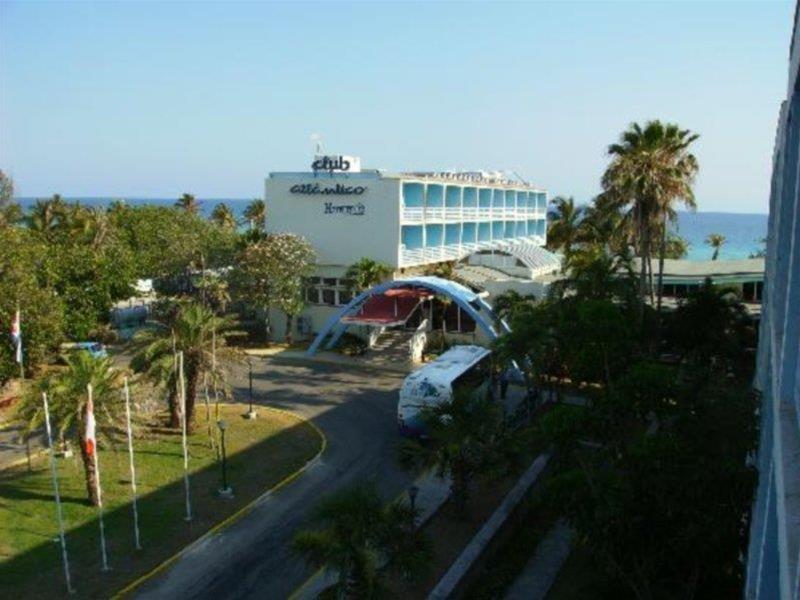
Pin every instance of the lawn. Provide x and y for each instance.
(261, 453)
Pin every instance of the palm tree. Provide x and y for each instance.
(256, 214)
(68, 396)
(188, 203)
(92, 224)
(563, 231)
(366, 273)
(222, 215)
(193, 331)
(716, 241)
(357, 536)
(47, 215)
(677, 247)
(509, 302)
(651, 169)
(466, 439)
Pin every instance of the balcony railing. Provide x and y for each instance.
(419, 214)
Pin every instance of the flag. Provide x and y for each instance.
(16, 338)
(89, 441)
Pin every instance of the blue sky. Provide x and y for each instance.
(145, 99)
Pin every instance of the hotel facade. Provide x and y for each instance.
(408, 221)
(773, 567)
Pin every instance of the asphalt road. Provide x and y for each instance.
(251, 559)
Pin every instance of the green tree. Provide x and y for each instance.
(366, 273)
(651, 169)
(192, 330)
(716, 241)
(256, 215)
(506, 304)
(677, 247)
(67, 393)
(357, 535)
(466, 439)
(47, 216)
(10, 211)
(712, 330)
(165, 242)
(270, 273)
(661, 509)
(222, 215)
(188, 203)
(563, 231)
(21, 286)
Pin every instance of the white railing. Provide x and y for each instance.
(374, 334)
(434, 212)
(413, 214)
(452, 213)
(484, 213)
(469, 213)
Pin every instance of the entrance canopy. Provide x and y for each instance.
(376, 306)
(393, 307)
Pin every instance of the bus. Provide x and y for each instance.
(461, 369)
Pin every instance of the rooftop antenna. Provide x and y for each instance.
(316, 140)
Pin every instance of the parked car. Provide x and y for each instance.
(96, 349)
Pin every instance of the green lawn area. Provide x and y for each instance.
(261, 453)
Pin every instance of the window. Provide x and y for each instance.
(312, 295)
(345, 296)
(331, 281)
(329, 297)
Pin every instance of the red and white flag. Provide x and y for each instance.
(89, 440)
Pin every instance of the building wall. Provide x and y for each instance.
(339, 235)
(774, 552)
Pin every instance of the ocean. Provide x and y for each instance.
(743, 232)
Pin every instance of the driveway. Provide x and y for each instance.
(251, 559)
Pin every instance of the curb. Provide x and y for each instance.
(230, 520)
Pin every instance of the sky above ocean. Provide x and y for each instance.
(152, 99)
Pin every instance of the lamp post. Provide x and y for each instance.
(251, 414)
(225, 491)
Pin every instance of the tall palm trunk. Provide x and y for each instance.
(662, 250)
(174, 406)
(192, 380)
(642, 258)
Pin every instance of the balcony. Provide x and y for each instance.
(419, 214)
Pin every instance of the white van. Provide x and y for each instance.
(460, 367)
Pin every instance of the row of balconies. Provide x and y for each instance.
(418, 256)
(420, 214)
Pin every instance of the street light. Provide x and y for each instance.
(225, 491)
(251, 414)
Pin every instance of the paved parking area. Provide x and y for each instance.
(356, 410)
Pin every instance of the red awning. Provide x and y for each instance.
(392, 308)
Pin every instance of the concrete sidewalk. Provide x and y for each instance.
(433, 492)
(539, 574)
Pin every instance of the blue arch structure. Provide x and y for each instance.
(470, 302)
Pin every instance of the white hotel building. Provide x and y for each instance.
(406, 220)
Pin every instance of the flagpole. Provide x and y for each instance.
(133, 469)
(188, 516)
(64, 557)
(98, 490)
(214, 382)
